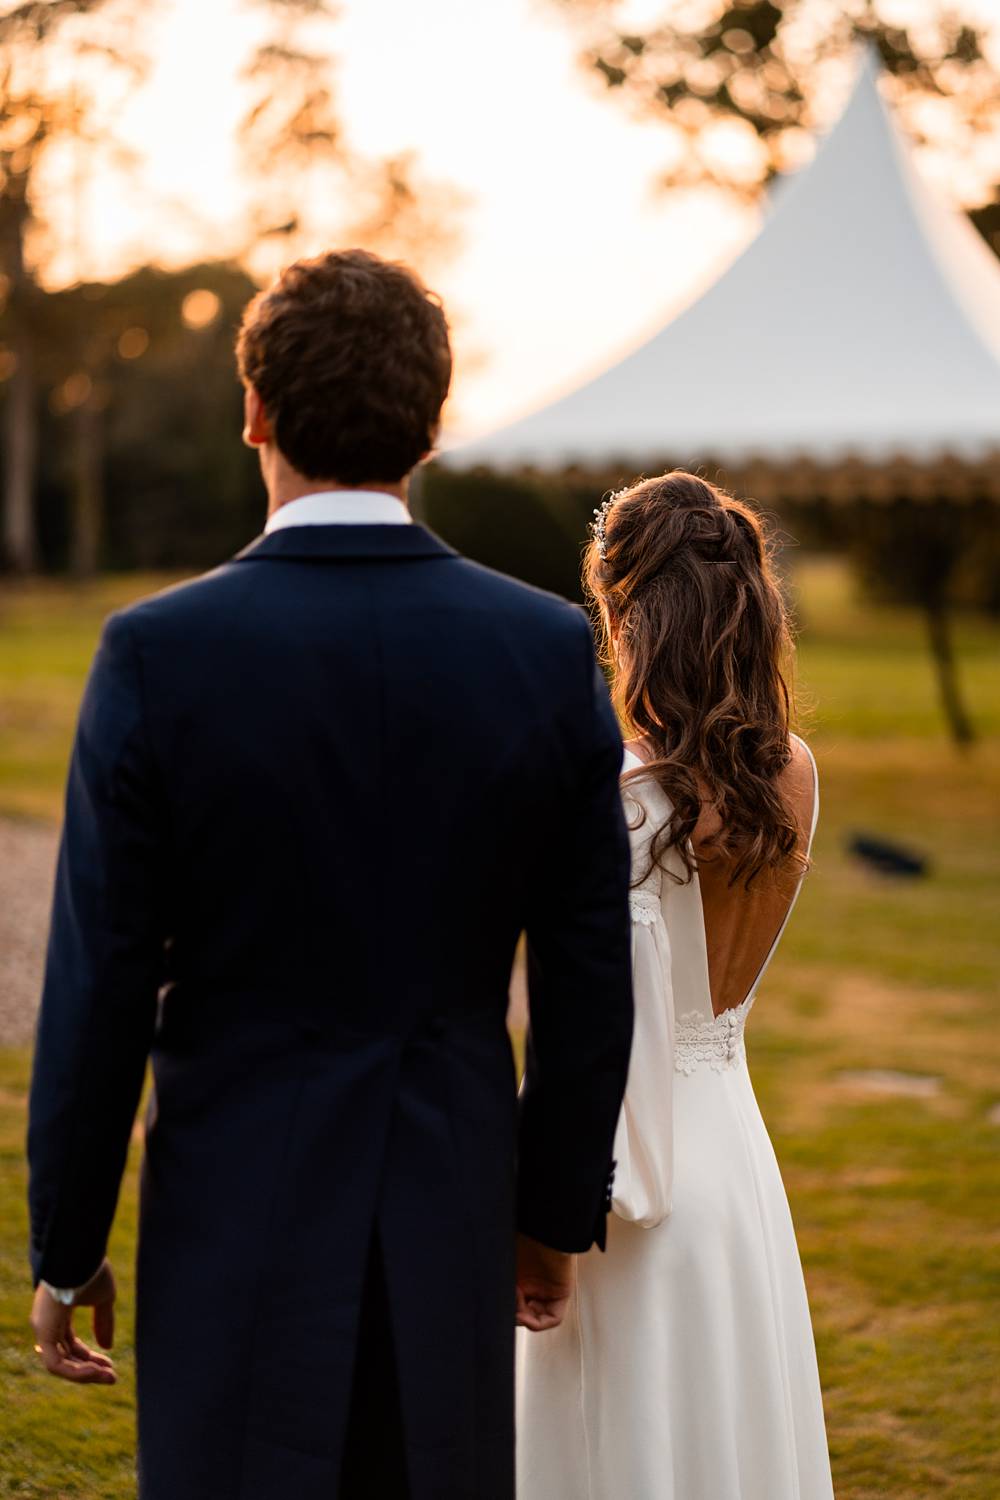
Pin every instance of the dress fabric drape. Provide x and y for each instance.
(686, 1369)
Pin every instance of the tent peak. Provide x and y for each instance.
(863, 321)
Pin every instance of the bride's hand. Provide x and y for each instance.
(544, 1285)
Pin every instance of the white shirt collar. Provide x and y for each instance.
(341, 508)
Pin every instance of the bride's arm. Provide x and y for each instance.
(644, 1140)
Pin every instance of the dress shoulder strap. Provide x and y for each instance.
(815, 771)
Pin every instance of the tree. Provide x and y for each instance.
(60, 63)
(919, 552)
(106, 353)
(523, 524)
(171, 482)
(739, 84)
(56, 59)
(310, 183)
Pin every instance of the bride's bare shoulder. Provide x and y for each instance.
(801, 767)
(799, 778)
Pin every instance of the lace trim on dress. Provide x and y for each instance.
(644, 906)
(715, 1042)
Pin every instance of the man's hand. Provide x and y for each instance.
(545, 1280)
(62, 1353)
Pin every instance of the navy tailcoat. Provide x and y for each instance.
(315, 798)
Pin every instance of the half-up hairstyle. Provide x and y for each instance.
(696, 629)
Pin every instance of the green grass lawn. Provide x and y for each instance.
(57, 1440)
(48, 632)
(894, 1198)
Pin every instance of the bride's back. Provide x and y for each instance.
(697, 636)
(721, 932)
(742, 925)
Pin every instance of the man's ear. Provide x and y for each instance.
(256, 427)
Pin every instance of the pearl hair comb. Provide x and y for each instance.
(598, 526)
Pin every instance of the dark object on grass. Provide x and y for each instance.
(888, 859)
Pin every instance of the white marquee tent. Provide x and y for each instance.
(857, 336)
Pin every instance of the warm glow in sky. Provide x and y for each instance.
(567, 257)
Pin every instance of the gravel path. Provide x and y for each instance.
(27, 862)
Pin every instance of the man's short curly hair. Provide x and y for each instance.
(350, 356)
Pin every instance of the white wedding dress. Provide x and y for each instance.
(685, 1368)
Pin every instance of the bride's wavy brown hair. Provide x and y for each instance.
(696, 630)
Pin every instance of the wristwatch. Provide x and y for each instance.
(63, 1294)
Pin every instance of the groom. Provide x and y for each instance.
(314, 799)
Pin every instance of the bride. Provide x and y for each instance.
(685, 1368)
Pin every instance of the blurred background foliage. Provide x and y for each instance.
(118, 401)
(753, 71)
(140, 458)
(119, 411)
(940, 558)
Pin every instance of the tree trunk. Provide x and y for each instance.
(88, 491)
(20, 420)
(20, 445)
(942, 650)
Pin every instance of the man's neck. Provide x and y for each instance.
(283, 489)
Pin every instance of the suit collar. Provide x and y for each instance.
(319, 543)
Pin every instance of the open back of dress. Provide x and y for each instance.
(722, 935)
(743, 927)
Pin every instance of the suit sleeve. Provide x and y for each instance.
(102, 974)
(580, 994)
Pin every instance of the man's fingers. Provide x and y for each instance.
(104, 1324)
(75, 1348)
(536, 1322)
(538, 1314)
(79, 1371)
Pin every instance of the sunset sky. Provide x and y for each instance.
(567, 255)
